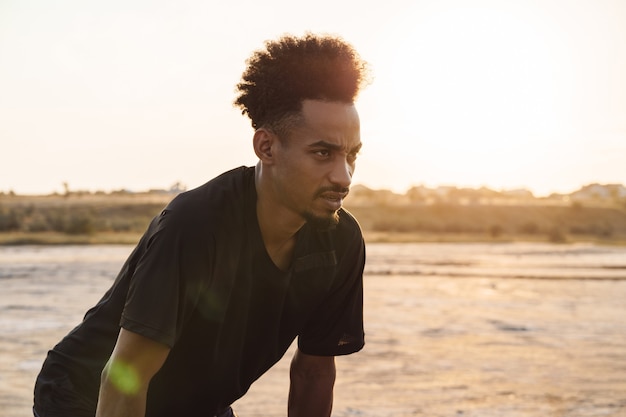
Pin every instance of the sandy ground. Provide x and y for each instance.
(436, 345)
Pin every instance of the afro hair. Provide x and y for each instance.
(293, 69)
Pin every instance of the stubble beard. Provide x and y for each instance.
(331, 219)
(322, 222)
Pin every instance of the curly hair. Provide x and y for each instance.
(293, 69)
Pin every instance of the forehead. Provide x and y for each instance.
(330, 121)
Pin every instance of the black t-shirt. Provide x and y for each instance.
(201, 282)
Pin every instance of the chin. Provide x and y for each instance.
(327, 221)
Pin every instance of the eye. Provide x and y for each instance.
(324, 153)
(352, 156)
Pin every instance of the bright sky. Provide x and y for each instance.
(137, 94)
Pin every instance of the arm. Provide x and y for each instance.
(125, 378)
(311, 389)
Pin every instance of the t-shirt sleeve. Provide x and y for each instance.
(166, 284)
(336, 326)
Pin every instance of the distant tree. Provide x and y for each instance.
(417, 194)
(178, 187)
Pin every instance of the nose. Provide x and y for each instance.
(341, 175)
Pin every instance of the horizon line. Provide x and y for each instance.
(178, 187)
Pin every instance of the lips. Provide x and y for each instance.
(334, 200)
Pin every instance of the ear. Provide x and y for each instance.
(264, 141)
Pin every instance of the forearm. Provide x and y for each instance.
(113, 402)
(311, 389)
(126, 376)
(311, 397)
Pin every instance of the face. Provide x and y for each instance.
(314, 164)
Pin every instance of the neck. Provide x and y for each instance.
(278, 225)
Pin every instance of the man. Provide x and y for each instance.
(229, 274)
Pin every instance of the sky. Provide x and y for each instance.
(137, 94)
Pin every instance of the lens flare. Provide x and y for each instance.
(124, 377)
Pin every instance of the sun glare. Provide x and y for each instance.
(503, 94)
(473, 89)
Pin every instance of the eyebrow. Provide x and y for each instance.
(333, 146)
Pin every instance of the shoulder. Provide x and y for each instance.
(211, 206)
(227, 187)
(228, 190)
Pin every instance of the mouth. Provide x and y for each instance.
(333, 199)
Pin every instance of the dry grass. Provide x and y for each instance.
(122, 218)
(57, 238)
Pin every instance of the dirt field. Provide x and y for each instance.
(437, 345)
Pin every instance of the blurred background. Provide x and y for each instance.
(138, 94)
